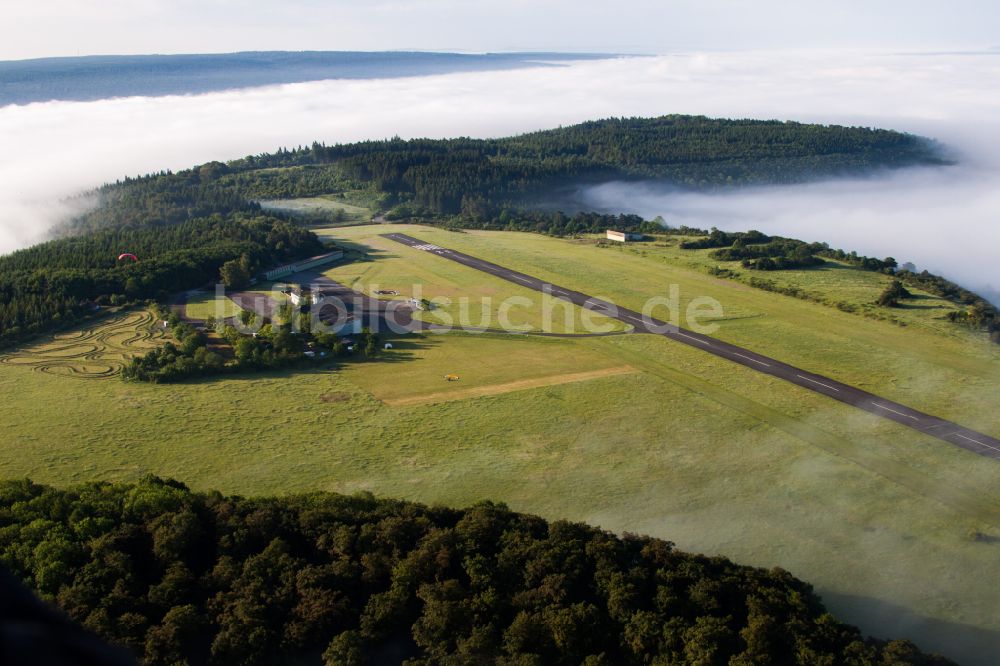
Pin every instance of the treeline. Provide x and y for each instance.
(887, 265)
(274, 345)
(164, 199)
(977, 313)
(718, 238)
(560, 224)
(187, 356)
(775, 255)
(772, 253)
(180, 577)
(758, 251)
(61, 281)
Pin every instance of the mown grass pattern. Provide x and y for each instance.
(97, 352)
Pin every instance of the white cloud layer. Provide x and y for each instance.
(944, 220)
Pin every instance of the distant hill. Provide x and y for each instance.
(99, 77)
(479, 177)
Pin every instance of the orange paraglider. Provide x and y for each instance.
(127, 255)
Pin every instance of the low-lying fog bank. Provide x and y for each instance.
(944, 220)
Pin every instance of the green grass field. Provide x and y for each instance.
(418, 364)
(688, 447)
(204, 304)
(346, 209)
(835, 283)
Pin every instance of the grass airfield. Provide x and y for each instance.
(682, 445)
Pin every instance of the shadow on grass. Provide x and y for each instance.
(828, 265)
(964, 643)
(404, 347)
(356, 252)
(910, 304)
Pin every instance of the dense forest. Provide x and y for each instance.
(61, 281)
(192, 578)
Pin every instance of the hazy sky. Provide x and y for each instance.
(37, 28)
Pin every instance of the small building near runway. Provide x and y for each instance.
(622, 236)
(304, 265)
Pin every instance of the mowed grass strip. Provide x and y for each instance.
(509, 387)
(418, 365)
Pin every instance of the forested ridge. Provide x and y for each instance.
(191, 578)
(475, 176)
(186, 225)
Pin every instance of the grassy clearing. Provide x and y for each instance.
(707, 453)
(331, 206)
(205, 304)
(461, 295)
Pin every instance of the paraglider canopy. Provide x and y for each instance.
(127, 255)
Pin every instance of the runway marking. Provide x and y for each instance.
(890, 409)
(977, 441)
(521, 279)
(691, 337)
(809, 379)
(766, 365)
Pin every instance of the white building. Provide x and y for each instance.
(622, 237)
(298, 298)
(305, 264)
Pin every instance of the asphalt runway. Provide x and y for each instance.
(952, 433)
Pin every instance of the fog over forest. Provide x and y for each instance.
(941, 219)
